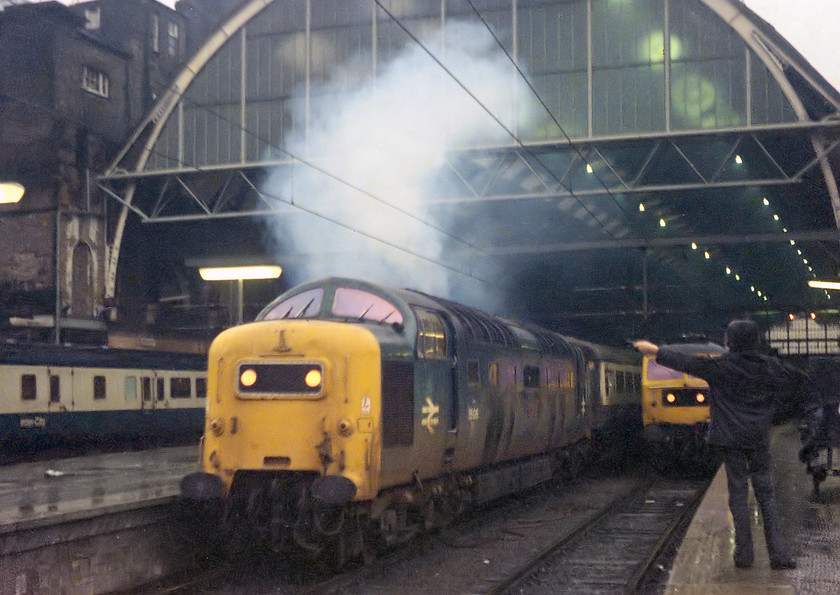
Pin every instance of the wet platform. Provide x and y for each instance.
(810, 524)
(40, 493)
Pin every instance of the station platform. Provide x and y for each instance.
(40, 493)
(810, 524)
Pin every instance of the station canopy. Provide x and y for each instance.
(605, 168)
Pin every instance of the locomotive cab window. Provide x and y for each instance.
(431, 339)
(303, 305)
(357, 304)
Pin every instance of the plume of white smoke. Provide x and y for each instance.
(372, 160)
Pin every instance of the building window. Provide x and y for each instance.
(172, 42)
(95, 81)
(155, 33)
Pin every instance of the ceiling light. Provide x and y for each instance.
(766, 202)
(738, 159)
(235, 273)
(708, 256)
(588, 168)
(641, 207)
(824, 284)
(11, 192)
(775, 217)
(693, 246)
(662, 223)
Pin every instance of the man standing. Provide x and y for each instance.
(742, 384)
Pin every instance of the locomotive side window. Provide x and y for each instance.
(472, 372)
(28, 387)
(493, 374)
(363, 305)
(531, 376)
(98, 387)
(302, 305)
(201, 388)
(55, 388)
(130, 388)
(431, 339)
(180, 388)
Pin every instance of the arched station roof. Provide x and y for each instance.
(603, 167)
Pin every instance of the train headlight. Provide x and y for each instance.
(248, 377)
(701, 398)
(671, 398)
(313, 378)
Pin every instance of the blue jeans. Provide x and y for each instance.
(753, 464)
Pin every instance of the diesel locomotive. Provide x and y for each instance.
(675, 412)
(351, 416)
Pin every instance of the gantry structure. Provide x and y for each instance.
(605, 167)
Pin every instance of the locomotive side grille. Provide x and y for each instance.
(397, 404)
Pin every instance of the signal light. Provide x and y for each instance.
(813, 316)
(791, 316)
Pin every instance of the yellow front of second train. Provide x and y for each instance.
(295, 395)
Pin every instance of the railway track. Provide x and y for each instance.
(613, 552)
(595, 535)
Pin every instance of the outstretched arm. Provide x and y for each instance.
(646, 347)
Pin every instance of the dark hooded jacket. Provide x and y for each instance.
(743, 384)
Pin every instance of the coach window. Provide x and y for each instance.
(147, 388)
(180, 388)
(160, 394)
(431, 340)
(98, 387)
(55, 388)
(201, 388)
(28, 387)
(130, 388)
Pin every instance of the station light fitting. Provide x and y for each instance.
(238, 273)
(738, 159)
(824, 284)
(11, 192)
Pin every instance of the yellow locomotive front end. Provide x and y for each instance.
(294, 396)
(675, 413)
(292, 428)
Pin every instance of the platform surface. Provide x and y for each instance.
(80, 487)
(810, 524)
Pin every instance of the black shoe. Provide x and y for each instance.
(783, 564)
(743, 563)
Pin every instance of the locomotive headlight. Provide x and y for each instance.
(313, 378)
(701, 398)
(248, 377)
(671, 398)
